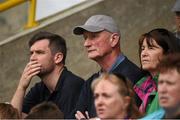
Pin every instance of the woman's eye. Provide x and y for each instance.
(151, 47)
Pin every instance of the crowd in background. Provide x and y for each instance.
(119, 90)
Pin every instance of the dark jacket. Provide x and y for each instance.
(86, 101)
(65, 95)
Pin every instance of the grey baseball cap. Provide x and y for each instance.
(176, 7)
(97, 23)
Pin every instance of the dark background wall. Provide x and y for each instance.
(134, 17)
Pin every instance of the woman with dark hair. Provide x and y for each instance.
(153, 46)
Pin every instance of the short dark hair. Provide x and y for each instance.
(169, 62)
(45, 110)
(56, 42)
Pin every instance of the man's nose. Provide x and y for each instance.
(87, 43)
(162, 88)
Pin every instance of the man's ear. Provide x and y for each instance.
(114, 39)
(58, 57)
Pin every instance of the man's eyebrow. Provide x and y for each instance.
(42, 51)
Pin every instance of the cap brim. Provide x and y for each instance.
(176, 7)
(80, 29)
(174, 10)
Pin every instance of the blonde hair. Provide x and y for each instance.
(124, 89)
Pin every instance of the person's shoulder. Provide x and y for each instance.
(155, 115)
(130, 70)
(132, 66)
(88, 82)
(130, 63)
(38, 85)
(70, 81)
(92, 77)
(72, 75)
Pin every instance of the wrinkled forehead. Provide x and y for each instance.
(106, 86)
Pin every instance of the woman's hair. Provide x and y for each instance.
(124, 89)
(164, 38)
(7, 111)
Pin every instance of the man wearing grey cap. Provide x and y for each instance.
(176, 10)
(102, 42)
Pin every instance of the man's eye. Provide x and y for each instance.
(106, 95)
(142, 48)
(160, 82)
(30, 53)
(93, 36)
(95, 96)
(170, 83)
(40, 52)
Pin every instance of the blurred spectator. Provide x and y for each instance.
(152, 47)
(168, 88)
(45, 110)
(58, 84)
(114, 97)
(7, 111)
(176, 10)
(102, 42)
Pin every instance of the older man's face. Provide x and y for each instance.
(97, 44)
(169, 89)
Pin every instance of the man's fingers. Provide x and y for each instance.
(33, 74)
(33, 70)
(31, 65)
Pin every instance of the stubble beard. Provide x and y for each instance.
(45, 72)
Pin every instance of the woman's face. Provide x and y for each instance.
(150, 55)
(108, 101)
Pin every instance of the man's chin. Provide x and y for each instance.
(165, 106)
(91, 57)
(95, 58)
